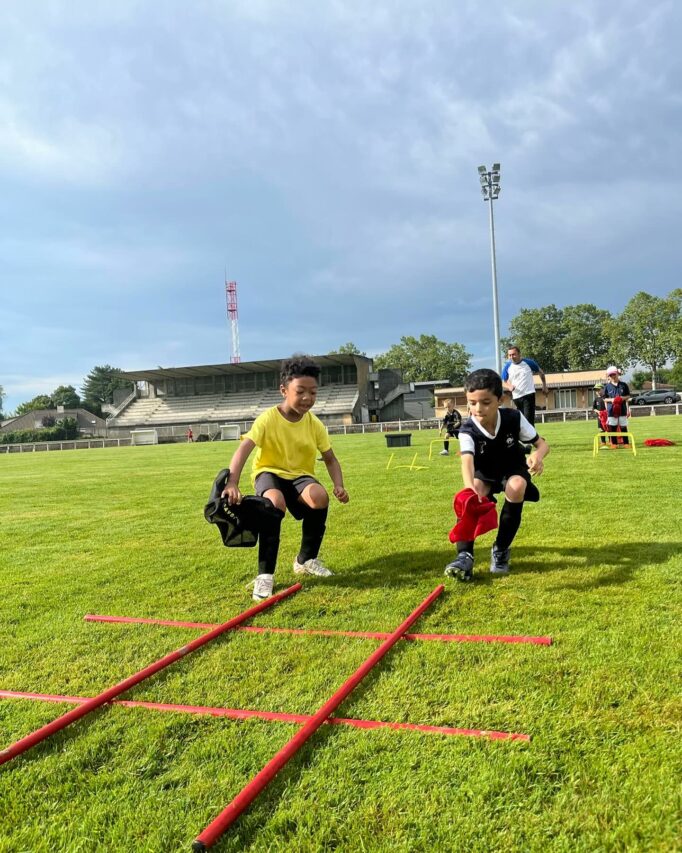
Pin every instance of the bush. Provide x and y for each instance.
(63, 430)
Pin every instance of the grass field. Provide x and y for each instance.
(597, 565)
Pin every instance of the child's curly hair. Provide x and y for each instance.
(298, 365)
(484, 380)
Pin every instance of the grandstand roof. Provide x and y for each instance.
(243, 367)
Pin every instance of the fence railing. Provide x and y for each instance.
(555, 415)
(212, 431)
(75, 444)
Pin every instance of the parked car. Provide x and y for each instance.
(647, 398)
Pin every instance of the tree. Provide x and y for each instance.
(639, 377)
(2, 395)
(675, 374)
(66, 396)
(42, 401)
(348, 349)
(535, 331)
(426, 357)
(100, 384)
(586, 344)
(650, 330)
(572, 338)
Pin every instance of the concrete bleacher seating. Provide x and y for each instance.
(332, 401)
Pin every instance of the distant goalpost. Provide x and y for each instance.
(143, 436)
(230, 432)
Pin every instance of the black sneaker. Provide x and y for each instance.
(499, 560)
(461, 568)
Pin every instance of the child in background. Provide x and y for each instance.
(452, 421)
(288, 437)
(493, 461)
(599, 406)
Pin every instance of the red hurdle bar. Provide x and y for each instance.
(270, 716)
(249, 793)
(74, 714)
(365, 635)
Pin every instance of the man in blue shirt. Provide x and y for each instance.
(517, 374)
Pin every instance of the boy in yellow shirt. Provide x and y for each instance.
(288, 438)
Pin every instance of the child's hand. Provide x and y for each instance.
(535, 465)
(232, 495)
(341, 494)
(481, 491)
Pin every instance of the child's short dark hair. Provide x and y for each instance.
(298, 365)
(484, 380)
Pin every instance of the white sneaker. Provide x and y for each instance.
(444, 453)
(312, 567)
(262, 587)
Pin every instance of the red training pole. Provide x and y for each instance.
(97, 701)
(362, 635)
(249, 793)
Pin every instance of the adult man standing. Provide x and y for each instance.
(517, 375)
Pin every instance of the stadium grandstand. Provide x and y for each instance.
(207, 397)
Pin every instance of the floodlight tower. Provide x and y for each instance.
(490, 188)
(233, 315)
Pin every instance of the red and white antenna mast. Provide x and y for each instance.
(233, 315)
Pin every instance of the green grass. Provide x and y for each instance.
(597, 565)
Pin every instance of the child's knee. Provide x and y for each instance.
(276, 498)
(315, 496)
(515, 489)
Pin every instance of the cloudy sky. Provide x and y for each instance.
(324, 155)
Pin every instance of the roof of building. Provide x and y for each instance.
(159, 373)
(54, 413)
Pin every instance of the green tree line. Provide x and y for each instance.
(98, 390)
(647, 332)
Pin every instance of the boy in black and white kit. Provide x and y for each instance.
(493, 461)
(452, 421)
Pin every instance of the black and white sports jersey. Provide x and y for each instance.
(452, 421)
(500, 454)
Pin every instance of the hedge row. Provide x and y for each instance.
(65, 429)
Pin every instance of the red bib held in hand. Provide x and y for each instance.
(474, 517)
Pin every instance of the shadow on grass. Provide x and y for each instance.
(610, 564)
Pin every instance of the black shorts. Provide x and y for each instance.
(291, 489)
(532, 494)
(453, 432)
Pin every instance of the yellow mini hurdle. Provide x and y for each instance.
(609, 436)
(431, 443)
(411, 467)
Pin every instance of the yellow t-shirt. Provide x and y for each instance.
(284, 448)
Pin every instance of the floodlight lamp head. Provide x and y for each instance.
(482, 170)
(484, 180)
(496, 167)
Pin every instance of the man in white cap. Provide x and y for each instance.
(618, 393)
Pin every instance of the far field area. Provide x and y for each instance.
(597, 565)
